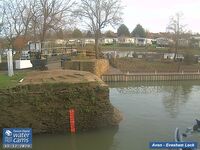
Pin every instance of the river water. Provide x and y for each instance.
(151, 112)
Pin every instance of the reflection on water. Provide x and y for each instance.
(151, 110)
(95, 140)
(175, 97)
(175, 93)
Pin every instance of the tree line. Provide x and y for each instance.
(138, 31)
(34, 19)
(24, 20)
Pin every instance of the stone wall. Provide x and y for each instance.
(44, 107)
(97, 67)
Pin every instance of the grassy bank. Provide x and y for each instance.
(140, 66)
(42, 101)
(8, 82)
(44, 107)
(132, 47)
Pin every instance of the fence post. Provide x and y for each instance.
(10, 63)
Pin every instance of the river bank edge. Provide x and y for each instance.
(43, 100)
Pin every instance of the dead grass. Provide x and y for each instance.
(137, 65)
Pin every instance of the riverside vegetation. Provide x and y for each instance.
(44, 106)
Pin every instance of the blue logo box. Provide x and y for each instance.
(173, 145)
(17, 138)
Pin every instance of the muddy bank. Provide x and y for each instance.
(44, 105)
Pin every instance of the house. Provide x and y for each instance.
(172, 55)
(106, 41)
(183, 42)
(73, 41)
(126, 40)
(88, 41)
(35, 46)
(162, 42)
(140, 41)
(197, 58)
(60, 42)
(179, 56)
(195, 41)
(149, 41)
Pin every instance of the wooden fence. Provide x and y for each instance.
(150, 77)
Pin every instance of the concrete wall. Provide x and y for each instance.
(97, 67)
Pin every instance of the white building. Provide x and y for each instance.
(88, 41)
(149, 41)
(60, 41)
(183, 43)
(107, 41)
(197, 41)
(162, 42)
(140, 41)
(171, 56)
(126, 40)
(73, 41)
(35, 46)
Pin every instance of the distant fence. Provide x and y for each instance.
(150, 77)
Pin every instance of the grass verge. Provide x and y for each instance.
(8, 82)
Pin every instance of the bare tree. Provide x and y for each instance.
(177, 29)
(25, 8)
(25, 18)
(1, 15)
(16, 19)
(8, 28)
(51, 15)
(97, 14)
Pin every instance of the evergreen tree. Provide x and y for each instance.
(138, 31)
(123, 31)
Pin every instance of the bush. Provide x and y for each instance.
(189, 59)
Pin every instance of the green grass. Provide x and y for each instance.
(141, 65)
(129, 47)
(8, 82)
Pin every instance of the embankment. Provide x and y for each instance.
(97, 67)
(150, 77)
(43, 100)
(143, 66)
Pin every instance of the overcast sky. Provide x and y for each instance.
(154, 15)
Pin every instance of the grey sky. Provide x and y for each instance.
(154, 15)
